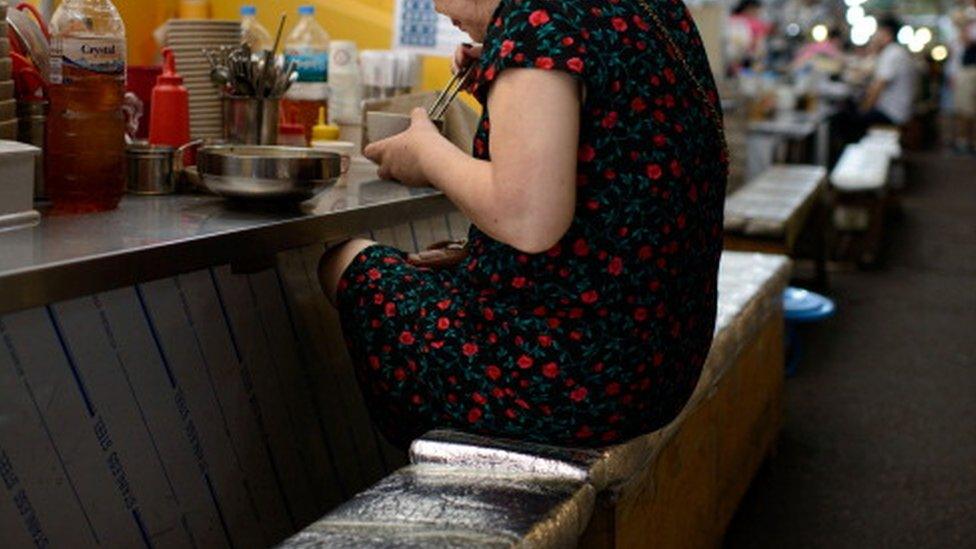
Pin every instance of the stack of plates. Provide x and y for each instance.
(8, 106)
(188, 38)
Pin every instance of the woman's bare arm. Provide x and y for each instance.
(526, 196)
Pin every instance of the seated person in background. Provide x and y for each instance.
(964, 87)
(890, 98)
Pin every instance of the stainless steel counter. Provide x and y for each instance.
(149, 238)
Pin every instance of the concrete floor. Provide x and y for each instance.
(879, 445)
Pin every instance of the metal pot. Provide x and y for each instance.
(267, 173)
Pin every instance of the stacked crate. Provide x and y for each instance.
(8, 106)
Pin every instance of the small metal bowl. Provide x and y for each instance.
(150, 169)
(267, 172)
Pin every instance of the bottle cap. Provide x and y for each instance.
(169, 76)
(323, 131)
(249, 10)
(306, 10)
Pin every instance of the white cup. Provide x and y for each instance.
(344, 149)
(381, 125)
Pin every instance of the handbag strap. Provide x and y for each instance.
(678, 54)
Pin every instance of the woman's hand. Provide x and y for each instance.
(399, 156)
(466, 54)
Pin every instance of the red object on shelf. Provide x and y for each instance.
(28, 84)
(140, 80)
(291, 133)
(170, 120)
(41, 22)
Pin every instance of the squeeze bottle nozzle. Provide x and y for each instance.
(323, 131)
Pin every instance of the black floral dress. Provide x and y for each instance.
(603, 337)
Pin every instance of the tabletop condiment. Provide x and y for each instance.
(323, 131)
(170, 119)
(85, 157)
(291, 134)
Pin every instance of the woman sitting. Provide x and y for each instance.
(586, 308)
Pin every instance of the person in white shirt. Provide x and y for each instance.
(964, 86)
(890, 98)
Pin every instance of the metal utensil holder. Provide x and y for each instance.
(250, 121)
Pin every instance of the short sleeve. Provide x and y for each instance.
(540, 34)
(887, 65)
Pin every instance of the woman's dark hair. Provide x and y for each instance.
(891, 24)
(745, 5)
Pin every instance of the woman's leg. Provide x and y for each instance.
(335, 261)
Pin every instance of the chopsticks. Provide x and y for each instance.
(269, 58)
(447, 95)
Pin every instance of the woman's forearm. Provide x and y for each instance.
(471, 186)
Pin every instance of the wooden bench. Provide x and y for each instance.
(772, 212)
(675, 487)
(860, 185)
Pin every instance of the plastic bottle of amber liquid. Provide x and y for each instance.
(85, 156)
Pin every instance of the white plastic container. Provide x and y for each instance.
(17, 162)
(345, 149)
(345, 81)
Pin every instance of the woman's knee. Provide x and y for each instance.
(335, 261)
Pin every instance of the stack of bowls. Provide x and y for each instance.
(188, 38)
(8, 105)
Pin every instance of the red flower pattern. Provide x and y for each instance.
(631, 286)
(538, 18)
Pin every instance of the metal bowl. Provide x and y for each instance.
(267, 172)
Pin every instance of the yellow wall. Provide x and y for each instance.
(367, 22)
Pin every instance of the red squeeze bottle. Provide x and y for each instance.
(170, 121)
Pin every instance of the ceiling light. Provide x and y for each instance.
(905, 35)
(820, 33)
